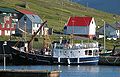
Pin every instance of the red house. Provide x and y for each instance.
(7, 27)
(7, 21)
(83, 26)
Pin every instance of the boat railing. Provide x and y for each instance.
(76, 46)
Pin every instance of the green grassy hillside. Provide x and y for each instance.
(57, 12)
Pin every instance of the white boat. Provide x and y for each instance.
(75, 54)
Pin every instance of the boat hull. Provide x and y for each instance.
(109, 60)
(77, 61)
(24, 58)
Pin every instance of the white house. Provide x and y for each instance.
(111, 32)
(83, 26)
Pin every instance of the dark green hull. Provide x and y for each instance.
(109, 60)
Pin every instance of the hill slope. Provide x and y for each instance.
(57, 12)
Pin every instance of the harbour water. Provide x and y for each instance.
(75, 71)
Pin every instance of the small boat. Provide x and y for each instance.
(106, 53)
(61, 53)
(113, 58)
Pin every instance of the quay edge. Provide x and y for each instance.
(29, 73)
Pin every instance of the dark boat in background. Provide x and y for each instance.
(30, 58)
(113, 58)
(6, 49)
(25, 55)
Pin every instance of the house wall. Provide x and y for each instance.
(118, 33)
(35, 27)
(8, 32)
(114, 34)
(109, 31)
(82, 30)
(21, 24)
(0, 32)
(31, 25)
(92, 27)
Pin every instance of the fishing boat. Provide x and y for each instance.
(60, 53)
(75, 54)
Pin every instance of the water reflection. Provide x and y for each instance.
(76, 71)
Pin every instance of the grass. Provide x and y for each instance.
(57, 12)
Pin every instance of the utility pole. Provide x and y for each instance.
(5, 43)
(25, 27)
(104, 34)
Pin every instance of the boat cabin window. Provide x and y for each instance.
(95, 52)
(58, 47)
(88, 52)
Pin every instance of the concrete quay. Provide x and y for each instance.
(29, 73)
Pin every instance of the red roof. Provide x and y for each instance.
(79, 21)
(25, 12)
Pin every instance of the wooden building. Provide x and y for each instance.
(83, 26)
(8, 19)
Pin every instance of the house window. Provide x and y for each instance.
(117, 31)
(3, 26)
(15, 15)
(92, 22)
(7, 31)
(25, 19)
(38, 25)
(33, 16)
(12, 26)
(33, 25)
(8, 26)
